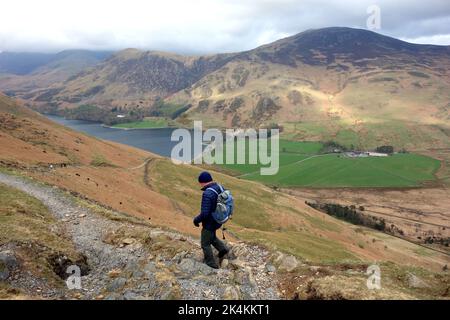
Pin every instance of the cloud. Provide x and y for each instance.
(204, 26)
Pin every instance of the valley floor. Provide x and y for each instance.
(419, 213)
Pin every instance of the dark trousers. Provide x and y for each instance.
(209, 238)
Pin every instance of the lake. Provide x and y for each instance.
(153, 140)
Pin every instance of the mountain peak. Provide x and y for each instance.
(324, 46)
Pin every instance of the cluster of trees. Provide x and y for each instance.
(170, 110)
(385, 149)
(355, 216)
(437, 240)
(330, 146)
(109, 117)
(273, 125)
(86, 112)
(350, 214)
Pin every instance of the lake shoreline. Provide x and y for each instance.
(129, 129)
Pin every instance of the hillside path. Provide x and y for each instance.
(130, 268)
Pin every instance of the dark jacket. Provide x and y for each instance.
(208, 206)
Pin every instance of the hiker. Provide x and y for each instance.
(211, 190)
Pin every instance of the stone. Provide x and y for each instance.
(116, 284)
(83, 215)
(270, 268)
(237, 264)
(127, 241)
(150, 267)
(191, 266)
(224, 264)
(114, 296)
(237, 251)
(207, 292)
(314, 268)
(78, 296)
(231, 293)
(205, 270)
(250, 277)
(8, 262)
(132, 266)
(279, 258)
(138, 274)
(416, 282)
(187, 265)
(171, 293)
(130, 295)
(288, 263)
(241, 277)
(179, 256)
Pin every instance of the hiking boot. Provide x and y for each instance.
(222, 255)
(211, 264)
(214, 266)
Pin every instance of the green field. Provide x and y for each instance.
(302, 165)
(290, 152)
(400, 134)
(148, 123)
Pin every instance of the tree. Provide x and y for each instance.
(385, 149)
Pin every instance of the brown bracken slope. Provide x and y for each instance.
(113, 176)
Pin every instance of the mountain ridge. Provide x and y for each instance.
(22, 72)
(350, 80)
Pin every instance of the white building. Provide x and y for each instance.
(377, 154)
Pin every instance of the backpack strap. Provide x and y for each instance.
(221, 189)
(213, 190)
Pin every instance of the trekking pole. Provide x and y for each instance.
(223, 233)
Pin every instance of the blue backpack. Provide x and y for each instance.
(225, 205)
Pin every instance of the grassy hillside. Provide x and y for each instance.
(164, 194)
(36, 234)
(271, 218)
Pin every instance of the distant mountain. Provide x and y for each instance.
(24, 71)
(20, 63)
(333, 83)
(318, 74)
(348, 85)
(132, 78)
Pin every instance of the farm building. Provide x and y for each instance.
(377, 154)
(356, 154)
(365, 154)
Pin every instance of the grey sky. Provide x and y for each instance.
(204, 26)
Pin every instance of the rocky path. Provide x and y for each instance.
(133, 261)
